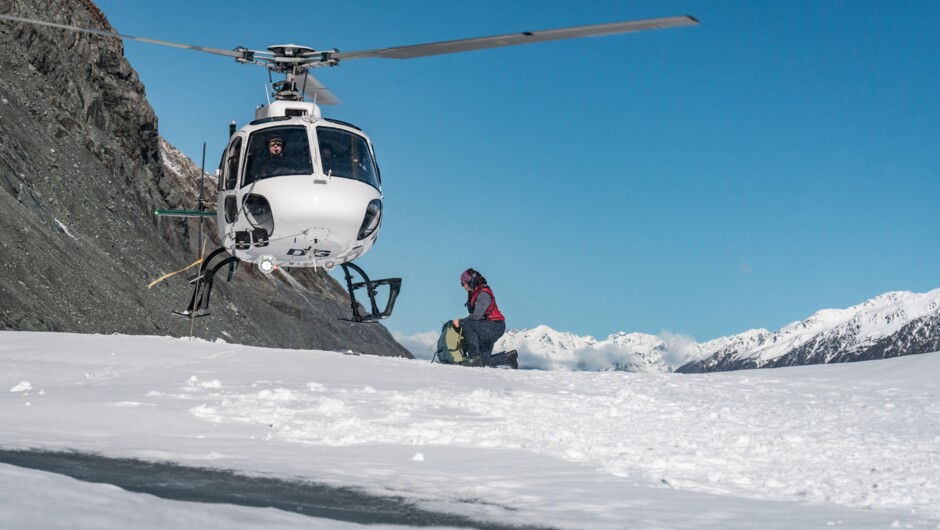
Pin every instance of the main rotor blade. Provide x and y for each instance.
(216, 51)
(514, 39)
(314, 90)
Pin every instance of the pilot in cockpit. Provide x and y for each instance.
(273, 161)
(275, 146)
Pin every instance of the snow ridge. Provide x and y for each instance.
(183, 171)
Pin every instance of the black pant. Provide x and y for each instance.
(480, 336)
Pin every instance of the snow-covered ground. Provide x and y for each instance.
(847, 445)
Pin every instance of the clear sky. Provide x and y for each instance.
(781, 158)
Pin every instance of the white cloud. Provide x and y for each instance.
(421, 345)
(678, 349)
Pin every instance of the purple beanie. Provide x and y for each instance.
(465, 276)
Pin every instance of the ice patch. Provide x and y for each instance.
(129, 404)
(24, 386)
(194, 383)
(278, 394)
(206, 412)
(330, 406)
(64, 228)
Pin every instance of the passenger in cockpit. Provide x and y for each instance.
(327, 159)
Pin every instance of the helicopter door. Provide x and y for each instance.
(228, 184)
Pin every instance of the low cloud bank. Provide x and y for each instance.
(679, 349)
(543, 348)
(421, 345)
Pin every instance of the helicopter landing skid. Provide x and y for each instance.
(371, 287)
(202, 285)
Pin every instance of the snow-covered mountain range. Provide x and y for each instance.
(547, 349)
(890, 325)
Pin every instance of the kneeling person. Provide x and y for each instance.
(485, 324)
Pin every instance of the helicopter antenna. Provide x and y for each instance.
(202, 202)
(270, 82)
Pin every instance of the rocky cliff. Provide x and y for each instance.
(81, 171)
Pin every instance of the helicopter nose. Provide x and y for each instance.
(342, 212)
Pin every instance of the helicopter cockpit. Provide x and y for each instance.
(278, 151)
(285, 150)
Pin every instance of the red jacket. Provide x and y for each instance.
(492, 312)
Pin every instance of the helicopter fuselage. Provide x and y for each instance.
(298, 190)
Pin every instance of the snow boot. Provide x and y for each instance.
(513, 357)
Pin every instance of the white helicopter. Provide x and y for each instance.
(296, 189)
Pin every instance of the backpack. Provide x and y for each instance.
(450, 346)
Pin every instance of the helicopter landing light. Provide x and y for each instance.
(267, 264)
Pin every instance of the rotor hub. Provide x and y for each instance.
(291, 51)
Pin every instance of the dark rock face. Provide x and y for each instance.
(81, 171)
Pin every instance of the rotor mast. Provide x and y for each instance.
(293, 62)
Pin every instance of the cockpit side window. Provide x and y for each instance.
(347, 155)
(230, 164)
(278, 151)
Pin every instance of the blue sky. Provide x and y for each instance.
(781, 158)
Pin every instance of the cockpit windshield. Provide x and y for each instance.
(278, 151)
(347, 155)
